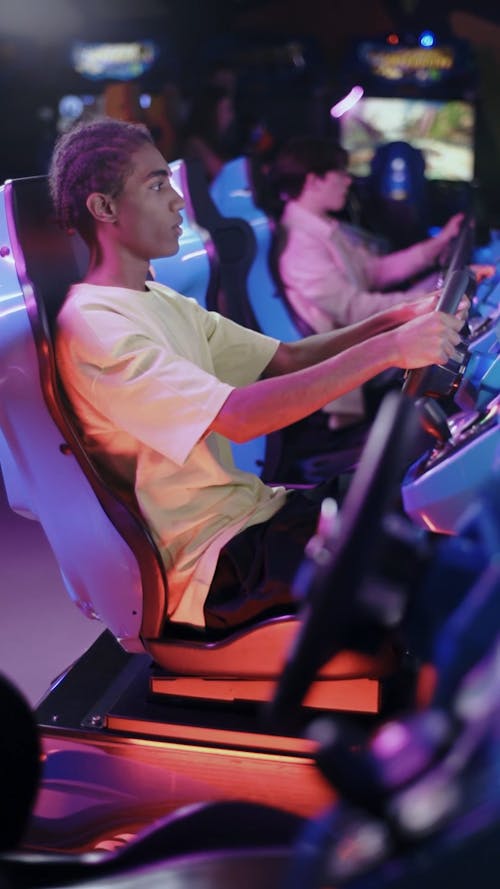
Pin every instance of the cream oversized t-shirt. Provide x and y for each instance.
(146, 373)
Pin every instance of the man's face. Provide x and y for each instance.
(148, 209)
(332, 189)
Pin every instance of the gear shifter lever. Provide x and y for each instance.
(433, 419)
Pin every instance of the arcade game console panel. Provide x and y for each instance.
(445, 482)
(419, 796)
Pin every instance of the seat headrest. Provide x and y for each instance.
(54, 259)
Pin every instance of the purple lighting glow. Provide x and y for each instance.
(347, 102)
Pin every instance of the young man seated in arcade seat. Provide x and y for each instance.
(330, 279)
(160, 386)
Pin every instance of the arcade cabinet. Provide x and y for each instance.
(411, 134)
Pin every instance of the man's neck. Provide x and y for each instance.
(117, 271)
(309, 202)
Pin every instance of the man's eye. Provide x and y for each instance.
(157, 186)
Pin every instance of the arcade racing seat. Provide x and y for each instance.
(49, 477)
(233, 194)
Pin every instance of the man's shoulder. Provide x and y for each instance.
(85, 295)
(301, 224)
(92, 304)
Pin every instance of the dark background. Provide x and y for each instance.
(36, 39)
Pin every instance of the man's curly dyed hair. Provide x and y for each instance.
(93, 156)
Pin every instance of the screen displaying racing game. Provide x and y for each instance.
(442, 130)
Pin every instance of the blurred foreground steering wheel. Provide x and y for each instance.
(334, 606)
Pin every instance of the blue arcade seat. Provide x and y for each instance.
(49, 477)
(233, 195)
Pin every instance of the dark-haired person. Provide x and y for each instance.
(160, 386)
(330, 279)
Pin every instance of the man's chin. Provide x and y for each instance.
(169, 250)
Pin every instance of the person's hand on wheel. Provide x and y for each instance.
(427, 339)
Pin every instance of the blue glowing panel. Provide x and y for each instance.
(443, 486)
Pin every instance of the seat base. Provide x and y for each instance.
(360, 694)
(258, 652)
(109, 692)
(246, 665)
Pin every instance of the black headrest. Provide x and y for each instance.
(54, 259)
(234, 242)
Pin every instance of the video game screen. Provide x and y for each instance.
(442, 130)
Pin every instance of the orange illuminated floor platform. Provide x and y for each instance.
(124, 744)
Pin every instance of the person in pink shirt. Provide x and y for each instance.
(330, 278)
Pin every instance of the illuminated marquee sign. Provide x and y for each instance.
(408, 63)
(114, 61)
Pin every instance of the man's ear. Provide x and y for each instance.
(311, 180)
(101, 207)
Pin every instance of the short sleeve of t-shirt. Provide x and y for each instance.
(240, 355)
(155, 365)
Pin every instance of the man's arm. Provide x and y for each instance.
(277, 401)
(392, 268)
(311, 350)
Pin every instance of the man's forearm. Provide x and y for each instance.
(311, 350)
(404, 264)
(270, 404)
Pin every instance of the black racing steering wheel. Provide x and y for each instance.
(459, 251)
(438, 380)
(334, 609)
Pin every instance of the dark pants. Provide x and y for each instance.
(256, 569)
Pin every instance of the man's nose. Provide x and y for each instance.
(179, 202)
